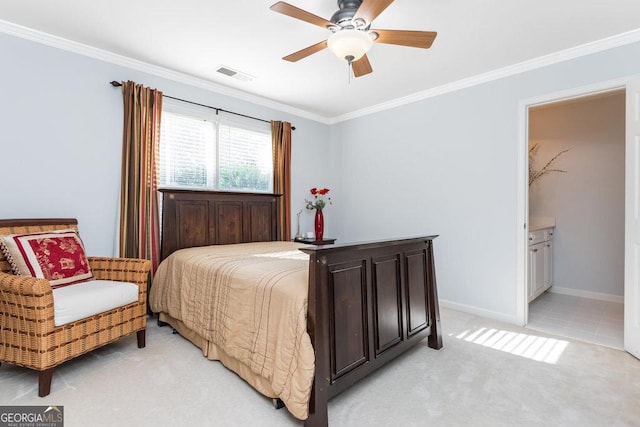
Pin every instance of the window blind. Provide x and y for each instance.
(215, 153)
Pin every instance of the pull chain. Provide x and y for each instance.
(349, 59)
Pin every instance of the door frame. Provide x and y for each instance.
(522, 211)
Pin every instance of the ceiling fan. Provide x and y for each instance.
(352, 36)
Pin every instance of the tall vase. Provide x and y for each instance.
(319, 224)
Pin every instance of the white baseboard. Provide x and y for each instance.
(586, 294)
(479, 311)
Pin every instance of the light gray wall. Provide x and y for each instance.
(61, 138)
(448, 165)
(587, 202)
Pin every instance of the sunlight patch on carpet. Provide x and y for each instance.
(541, 349)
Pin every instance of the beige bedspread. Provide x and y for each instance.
(250, 300)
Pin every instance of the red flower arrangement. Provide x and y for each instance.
(318, 201)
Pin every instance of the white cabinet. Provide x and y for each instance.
(536, 270)
(540, 262)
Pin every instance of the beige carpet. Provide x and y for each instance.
(487, 374)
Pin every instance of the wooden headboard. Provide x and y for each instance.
(201, 218)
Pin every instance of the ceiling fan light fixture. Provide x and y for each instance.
(350, 44)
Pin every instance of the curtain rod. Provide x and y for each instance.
(118, 84)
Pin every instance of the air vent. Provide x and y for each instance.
(234, 73)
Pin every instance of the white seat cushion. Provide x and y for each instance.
(75, 302)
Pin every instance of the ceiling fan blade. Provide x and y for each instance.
(296, 56)
(422, 39)
(361, 66)
(370, 9)
(303, 15)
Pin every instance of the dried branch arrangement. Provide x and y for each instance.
(546, 169)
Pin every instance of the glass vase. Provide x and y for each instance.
(319, 224)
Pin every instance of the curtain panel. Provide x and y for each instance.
(139, 219)
(281, 138)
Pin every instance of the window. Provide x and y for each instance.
(199, 150)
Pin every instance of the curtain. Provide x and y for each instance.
(281, 138)
(139, 219)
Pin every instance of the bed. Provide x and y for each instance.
(349, 309)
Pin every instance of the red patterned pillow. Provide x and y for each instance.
(57, 256)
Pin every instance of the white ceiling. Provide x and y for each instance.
(195, 37)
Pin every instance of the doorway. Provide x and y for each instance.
(631, 85)
(576, 158)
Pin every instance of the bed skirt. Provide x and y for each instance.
(213, 352)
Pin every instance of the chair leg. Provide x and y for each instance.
(141, 338)
(44, 382)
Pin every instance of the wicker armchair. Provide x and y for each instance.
(28, 335)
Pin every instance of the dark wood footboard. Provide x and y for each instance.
(368, 303)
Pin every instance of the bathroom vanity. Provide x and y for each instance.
(540, 275)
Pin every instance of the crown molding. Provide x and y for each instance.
(177, 76)
(103, 55)
(542, 61)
